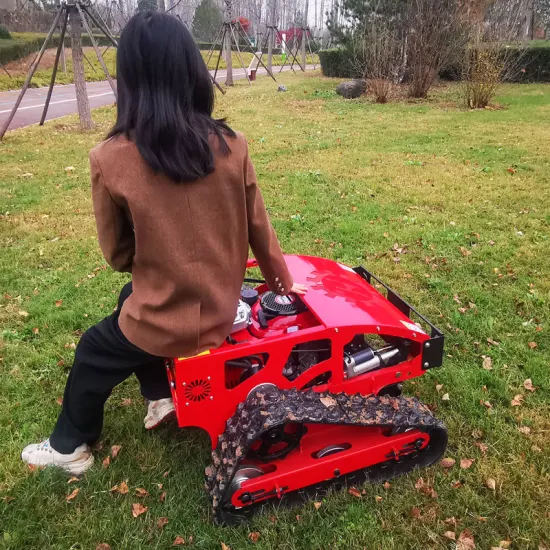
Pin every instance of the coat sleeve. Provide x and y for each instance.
(114, 230)
(262, 238)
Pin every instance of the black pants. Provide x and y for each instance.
(104, 358)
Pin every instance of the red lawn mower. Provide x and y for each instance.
(305, 394)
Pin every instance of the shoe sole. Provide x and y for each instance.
(164, 420)
(74, 469)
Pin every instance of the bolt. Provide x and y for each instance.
(398, 375)
(414, 334)
(187, 404)
(184, 384)
(335, 330)
(427, 345)
(211, 397)
(337, 473)
(378, 329)
(173, 385)
(426, 365)
(208, 378)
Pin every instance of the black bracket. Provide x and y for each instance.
(432, 350)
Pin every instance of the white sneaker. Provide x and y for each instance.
(159, 411)
(41, 455)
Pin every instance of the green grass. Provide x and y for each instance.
(465, 194)
(94, 72)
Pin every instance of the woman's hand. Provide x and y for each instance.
(299, 289)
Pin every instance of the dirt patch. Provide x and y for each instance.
(20, 67)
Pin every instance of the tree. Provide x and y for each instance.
(207, 21)
(146, 5)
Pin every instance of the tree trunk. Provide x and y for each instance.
(271, 34)
(526, 20)
(304, 35)
(78, 67)
(161, 5)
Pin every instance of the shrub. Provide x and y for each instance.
(380, 89)
(4, 33)
(338, 63)
(482, 75)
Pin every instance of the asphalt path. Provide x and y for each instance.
(63, 101)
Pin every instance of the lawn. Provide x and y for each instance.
(451, 207)
(92, 68)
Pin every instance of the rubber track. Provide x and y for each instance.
(264, 410)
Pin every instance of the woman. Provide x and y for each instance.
(177, 205)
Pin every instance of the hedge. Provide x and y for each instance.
(20, 47)
(27, 43)
(4, 33)
(533, 62)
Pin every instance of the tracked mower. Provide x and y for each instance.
(305, 394)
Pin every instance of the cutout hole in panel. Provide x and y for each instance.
(241, 369)
(304, 356)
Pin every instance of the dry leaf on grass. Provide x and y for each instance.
(490, 483)
(225, 547)
(254, 537)
(125, 402)
(482, 447)
(106, 461)
(486, 404)
(487, 363)
(526, 430)
(121, 488)
(439, 387)
(505, 544)
(378, 498)
(115, 449)
(73, 480)
(317, 505)
(448, 463)
(138, 509)
(532, 345)
(162, 496)
(386, 485)
(141, 492)
(446, 397)
(528, 385)
(415, 512)
(58, 303)
(103, 546)
(450, 521)
(450, 535)
(517, 401)
(354, 492)
(465, 541)
(72, 496)
(161, 522)
(178, 541)
(466, 463)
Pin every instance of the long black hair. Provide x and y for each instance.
(166, 98)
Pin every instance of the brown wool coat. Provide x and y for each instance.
(186, 245)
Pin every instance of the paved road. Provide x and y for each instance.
(63, 100)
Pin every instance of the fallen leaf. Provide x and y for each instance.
(254, 537)
(528, 385)
(162, 497)
(446, 397)
(543, 546)
(161, 522)
(59, 401)
(317, 505)
(328, 401)
(58, 303)
(532, 345)
(178, 541)
(103, 546)
(517, 401)
(448, 462)
(456, 485)
(505, 544)
(106, 461)
(125, 402)
(386, 485)
(493, 342)
(490, 483)
(165, 474)
(35, 330)
(72, 495)
(115, 449)
(487, 404)
(466, 463)
(354, 492)
(536, 449)
(525, 430)
(482, 519)
(121, 488)
(138, 509)
(378, 498)
(487, 363)
(415, 512)
(457, 299)
(23, 313)
(450, 521)
(73, 480)
(450, 535)
(464, 251)
(482, 447)
(439, 387)
(69, 169)
(465, 541)
(140, 492)
(477, 434)
(224, 546)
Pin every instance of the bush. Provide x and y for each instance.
(4, 33)
(338, 63)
